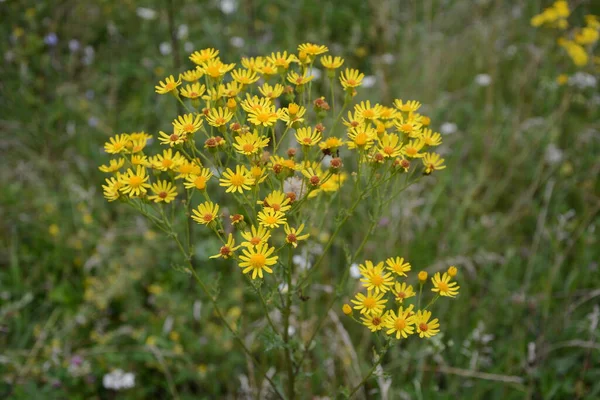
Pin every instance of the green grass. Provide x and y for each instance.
(523, 230)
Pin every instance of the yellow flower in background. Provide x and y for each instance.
(187, 123)
(140, 159)
(245, 76)
(422, 276)
(271, 218)
(113, 166)
(277, 200)
(257, 260)
(402, 291)
(375, 278)
(164, 191)
(425, 327)
(187, 168)
(198, 181)
(134, 182)
(281, 60)
(167, 160)
(408, 106)
(254, 104)
(398, 265)
(374, 321)
(442, 284)
(237, 181)
(169, 85)
(202, 56)
(250, 143)
(215, 68)
(412, 148)
(206, 213)
(369, 304)
(111, 189)
(271, 92)
(308, 136)
(293, 235)
(577, 53)
(256, 236)
(401, 324)
(409, 126)
(297, 79)
(331, 63)
(253, 63)
(192, 75)
(172, 139)
(586, 36)
(267, 116)
(351, 78)
(361, 137)
(430, 138)
(227, 249)
(432, 162)
(219, 116)
(390, 145)
(117, 144)
(562, 79)
(366, 112)
(331, 144)
(292, 114)
(452, 271)
(312, 49)
(347, 309)
(193, 91)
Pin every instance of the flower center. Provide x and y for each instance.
(219, 121)
(135, 181)
(263, 117)
(255, 240)
(174, 138)
(257, 260)
(406, 128)
(401, 295)
(225, 251)
(443, 286)
(351, 82)
(208, 217)
(162, 195)
(423, 327)
(307, 140)
(170, 86)
(376, 321)
(369, 302)
(188, 128)
(167, 162)
(270, 220)
(360, 139)
(291, 238)
(388, 150)
(248, 148)
(368, 114)
(400, 324)
(237, 179)
(377, 280)
(276, 207)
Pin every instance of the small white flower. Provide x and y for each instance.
(237, 42)
(189, 47)
(388, 58)
(553, 154)
(448, 128)
(483, 80)
(354, 271)
(146, 13)
(228, 6)
(369, 81)
(74, 45)
(283, 288)
(295, 185)
(118, 379)
(165, 48)
(316, 72)
(182, 31)
(583, 80)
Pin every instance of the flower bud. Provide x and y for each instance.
(452, 271)
(347, 309)
(422, 276)
(291, 152)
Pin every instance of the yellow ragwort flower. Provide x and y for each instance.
(351, 78)
(227, 249)
(402, 324)
(426, 328)
(375, 278)
(164, 191)
(219, 116)
(442, 284)
(293, 235)
(206, 213)
(432, 162)
(271, 218)
(402, 291)
(256, 236)
(200, 57)
(169, 85)
(187, 124)
(117, 144)
(374, 321)
(308, 136)
(198, 181)
(398, 265)
(134, 182)
(369, 304)
(113, 166)
(258, 259)
(237, 181)
(312, 49)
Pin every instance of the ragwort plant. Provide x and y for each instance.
(227, 166)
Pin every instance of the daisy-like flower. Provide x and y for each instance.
(431, 139)
(425, 327)
(192, 75)
(331, 144)
(331, 63)
(245, 76)
(117, 144)
(276, 200)
(281, 60)
(215, 68)
(308, 136)
(113, 165)
(401, 324)
(200, 57)
(361, 137)
(293, 235)
(258, 173)
(268, 70)
(258, 259)
(237, 181)
(351, 78)
(193, 91)
(198, 181)
(297, 79)
(312, 49)
(250, 143)
(134, 183)
(402, 291)
(432, 162)
(111, 189)
(390, 145)
(169, 85)
(412, 148)
(256, 236)
(270, 218)
(140, 159)
(314, 180)
(253, 63)
(442, 284)
(268, 116)
(231, 89)
(227, 249)
(187, 123)
(409, 126)
(279, 164)
(137, 145)
(219, 116)
(271, 92)
(398, 265)
(371, 304)
(187, 168)
(365, 111)
(255, 103)
(408, 106)
(173, 139)
(375, 321)
(164, 191)
(386, 113)
(375, 278)
(167, 160)
(206, 213)
(292, 114)
(353, 121)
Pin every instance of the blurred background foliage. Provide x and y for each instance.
(87, 287)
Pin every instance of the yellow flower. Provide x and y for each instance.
(586, 36)
(172, 139)
(293, 235)
(140, 159)
(200, 57)
(271, 92)
(258, 259)
(452, 271)
(111, 189)
(412, 149)
(187, 124)
(409, 126)
(227, 249)
(331, 144)
(256, 236)
(408, 106)
(361, 137)
(351, 78)
(443, 286)
(253, 63)
(292, 114)
(169, 85)
(215, 68)
(254, 104)
(117, 144)
(266, 117)
(375, 321)
(398, 265)
(369, 304)
(431, 139)
(198, 181)
(312, 49)
(192, 75)
(193, 91)
(390, 145)
(113, 166)
(163, 191)
(268, 70)
(402, 291)
(375, 278)
(237, 181)
(432, 162)
(250, 143)
(206, 213)
(245, 76)
(422, 276)
(562, 79)
(426, 328)
(134, 183)
(353, 121)
(166, 161)
(187, 168)
(219, 116)
(276, 200)
(231, 89)
(386, 113)
(308, 136)
(401, 324)
(258, 174)
(330, 62)
(297, 79)
(365, 111)
(347, 309)
(577, 53)
(271, 218)
(281, 60)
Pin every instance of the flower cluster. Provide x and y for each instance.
(577, 42)
(386, 285)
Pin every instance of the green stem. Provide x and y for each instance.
(380, 356)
